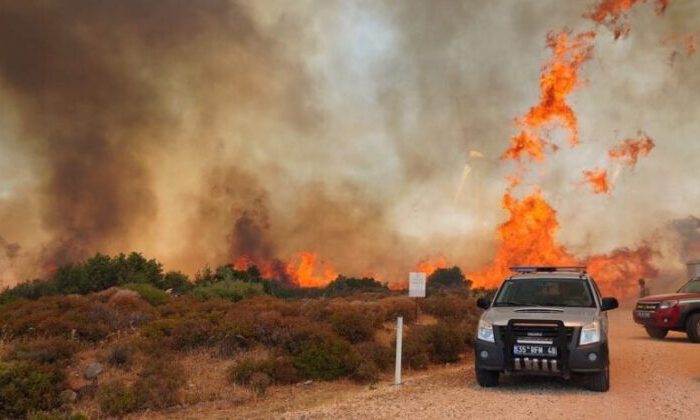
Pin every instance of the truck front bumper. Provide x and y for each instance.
(580, 359)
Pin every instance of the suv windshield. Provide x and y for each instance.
(545, 292)
(692, 286)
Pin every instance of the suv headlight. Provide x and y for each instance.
(590, 333)
(668, 304)
(485, 331)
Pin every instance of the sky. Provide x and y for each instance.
(198, 132)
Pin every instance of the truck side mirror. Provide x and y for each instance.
(608, 303)
(483, 303)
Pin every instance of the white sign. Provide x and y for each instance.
(416, 285)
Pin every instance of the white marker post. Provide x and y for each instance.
(399, 341)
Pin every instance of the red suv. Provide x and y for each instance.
(679, 311)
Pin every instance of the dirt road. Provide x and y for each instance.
(650, 379)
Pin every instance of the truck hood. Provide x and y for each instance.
(572, 317)
(669, 296)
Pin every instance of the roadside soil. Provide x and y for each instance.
(649, 378)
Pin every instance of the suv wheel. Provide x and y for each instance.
(656, 332)
(487, 378)
(599, 381)
(693, 328)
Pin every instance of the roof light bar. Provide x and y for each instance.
(535, 269)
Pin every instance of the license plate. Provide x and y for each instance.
(642, 314)
(533, 350)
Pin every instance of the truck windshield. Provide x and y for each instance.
(691, 287)
(545, 292)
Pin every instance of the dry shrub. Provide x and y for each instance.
(121, 355)
(53, 316)
(279, 369)
(451, 307)
(159, 383)
(353, 323)
(395, 307)
(54, 351)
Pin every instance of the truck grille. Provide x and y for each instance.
(537, 332)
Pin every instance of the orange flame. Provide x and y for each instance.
(598, 180)
(428, 266)
(558, 79)
(613, 14)
(528, 237)
(629, 152)
(308, 270)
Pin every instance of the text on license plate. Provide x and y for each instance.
(533, 350)
(643, 314)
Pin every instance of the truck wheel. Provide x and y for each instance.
(656, 332)
(692, 327)
(599, 381)
(487, 378)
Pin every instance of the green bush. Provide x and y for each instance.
(447, 278)
(231, 290)
(446, 342)
(348, 285)
(382, 356)
(175, 281)
(366, 372)
(58, 351)
(28, 386)
(326, 358)
(117, 399)
(149, 293)
(55, 415)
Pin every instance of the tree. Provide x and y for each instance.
(448, 278)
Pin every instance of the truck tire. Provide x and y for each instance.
(487, 378)
(656, 332)
(692, 327)
(599, 381)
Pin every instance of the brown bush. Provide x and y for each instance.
(399, 306)
(450, 307)
(279, 369)
(353, 322)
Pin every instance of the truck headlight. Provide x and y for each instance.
(590, 333)
(485, 331)
(668, 304)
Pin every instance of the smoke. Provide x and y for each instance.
(688, 230)
(200, 132)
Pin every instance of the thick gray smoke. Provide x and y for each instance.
(367, 132)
